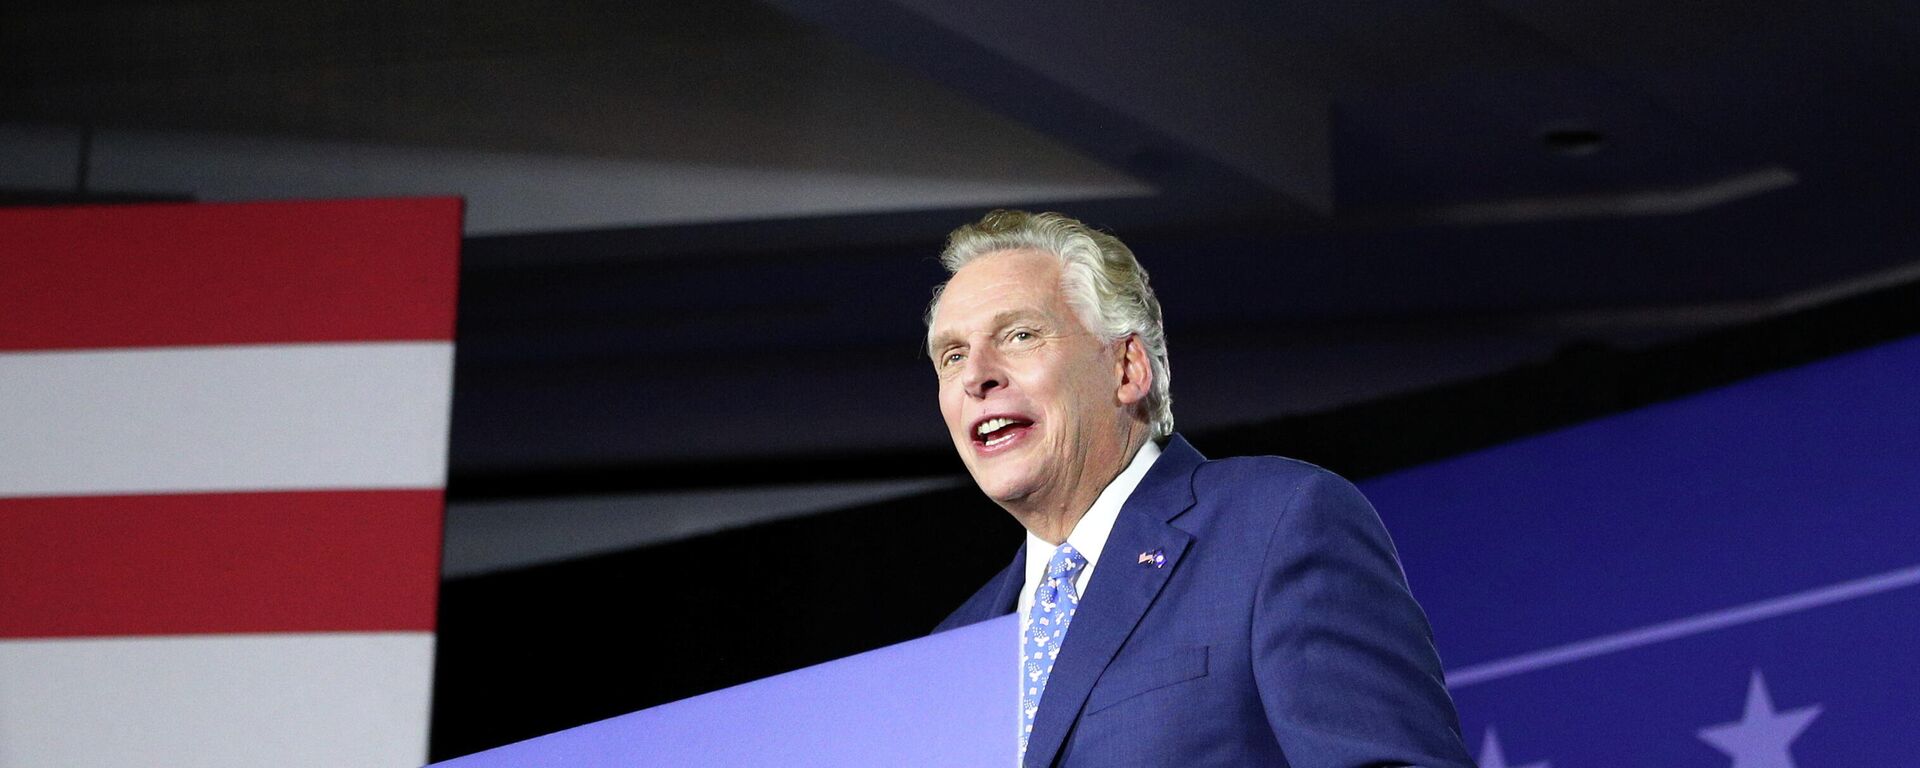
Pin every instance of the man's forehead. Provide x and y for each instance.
(965, 313)
(1002, 279)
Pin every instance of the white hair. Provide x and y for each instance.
(1103, 283)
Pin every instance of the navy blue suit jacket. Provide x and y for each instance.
(1278, 632)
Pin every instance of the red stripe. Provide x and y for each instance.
(219, 562)
(246, 273)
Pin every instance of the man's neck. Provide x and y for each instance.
(1053, 522)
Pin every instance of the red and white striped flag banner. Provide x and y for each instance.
(223, 442)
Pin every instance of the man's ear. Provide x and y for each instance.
(1136, 373)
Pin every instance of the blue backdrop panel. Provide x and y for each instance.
(945, 700)
(1732, 579)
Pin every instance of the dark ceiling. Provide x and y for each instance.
(702, 231)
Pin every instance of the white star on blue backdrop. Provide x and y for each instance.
(1760, 739)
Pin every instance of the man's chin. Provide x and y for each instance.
(1002, 477)
(1005, 490)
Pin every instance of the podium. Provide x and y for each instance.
(945, 700)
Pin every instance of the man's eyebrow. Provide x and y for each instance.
(1008, 317)
(940, 341)
(1000, 321)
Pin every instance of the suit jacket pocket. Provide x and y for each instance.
(1132, 678)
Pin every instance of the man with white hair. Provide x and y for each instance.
(1247, 611)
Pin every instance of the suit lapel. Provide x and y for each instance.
(1122, 590)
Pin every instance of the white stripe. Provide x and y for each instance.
(268, 417)
(217, 700)
(1679, 628)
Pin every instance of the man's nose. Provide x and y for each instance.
(983, 372)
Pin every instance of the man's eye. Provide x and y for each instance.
(952, 358)
(1022, 336)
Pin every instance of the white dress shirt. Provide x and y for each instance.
(1089, 536)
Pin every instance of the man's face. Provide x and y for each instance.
(1028, 394)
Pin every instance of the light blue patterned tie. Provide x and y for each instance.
(1053, 604)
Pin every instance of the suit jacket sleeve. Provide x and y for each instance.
(1343, 657)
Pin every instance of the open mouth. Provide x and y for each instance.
(997, 431)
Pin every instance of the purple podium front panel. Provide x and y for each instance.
(945, 700)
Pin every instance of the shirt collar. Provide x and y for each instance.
(1089, 535)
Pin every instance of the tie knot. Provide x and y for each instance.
(1065, 561)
